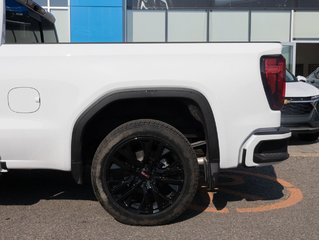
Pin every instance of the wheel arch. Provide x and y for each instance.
(209, 124)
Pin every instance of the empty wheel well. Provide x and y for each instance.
(185, 109)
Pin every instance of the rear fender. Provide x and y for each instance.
(208, 120)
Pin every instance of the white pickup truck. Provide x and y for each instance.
(143, 117)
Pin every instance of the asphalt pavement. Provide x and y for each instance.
(276, 202)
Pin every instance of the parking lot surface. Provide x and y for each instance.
(276, 202)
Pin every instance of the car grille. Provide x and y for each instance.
(297, 108)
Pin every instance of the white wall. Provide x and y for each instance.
(229, 26)
(306, 24)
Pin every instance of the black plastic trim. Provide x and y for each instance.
(268, 151)
(270, 157)
(306, 130)
(198, 98)
(244, 157)
(3, 165)
(271, 131)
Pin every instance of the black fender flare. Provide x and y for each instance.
(208, 120)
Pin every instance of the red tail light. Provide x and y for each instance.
(273, 72)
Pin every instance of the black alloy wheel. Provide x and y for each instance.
(145, 173)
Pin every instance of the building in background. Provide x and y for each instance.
(61, 11)
(292, 22)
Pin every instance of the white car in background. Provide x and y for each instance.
(313, 78)
(301, 109)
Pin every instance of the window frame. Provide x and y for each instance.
(235, 5)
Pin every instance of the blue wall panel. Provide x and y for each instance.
(97, 3)
(96, 21)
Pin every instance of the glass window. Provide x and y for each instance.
(20, 26)
(210, 4)
(254, 3)
(222, 4)
(59, 3)
(305, 26)
(308, 4)
(287, 52)
(146, 26)
(229, 26)
(187, 26)
(62, 24)
(168, 4)
(26, 26)
(290, 77)
(270, 26)
(49, 33)
(22, 31)
(43, 3)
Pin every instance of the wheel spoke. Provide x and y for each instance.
(153, 151)
(113, 181)
(169, 171)
(118, 174)
(122, 164)
(145, 203)
(128, 201)
(118, 187)
(121, 185)
(167, 155)
(145, 175)
(160, 197)
(129, 192)
(129, 156)
(170, 180)
(158, 151)
(147, 149)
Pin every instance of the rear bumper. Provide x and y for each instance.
(265, 147)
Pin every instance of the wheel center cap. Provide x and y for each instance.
(145, 174)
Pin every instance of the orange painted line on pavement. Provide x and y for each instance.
(212, 208)
(295, 195)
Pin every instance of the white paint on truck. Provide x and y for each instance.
(70, 77)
